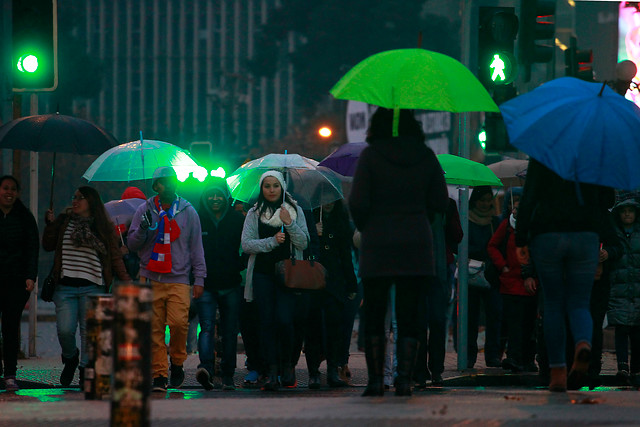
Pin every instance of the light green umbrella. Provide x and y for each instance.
(461, 171)
(138, 160)
(414, 79)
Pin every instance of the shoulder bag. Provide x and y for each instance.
(301, 274)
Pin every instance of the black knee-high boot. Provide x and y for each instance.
(407, 349)
(374, 353)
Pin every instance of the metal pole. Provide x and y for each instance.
(463, 248)
(33, 202)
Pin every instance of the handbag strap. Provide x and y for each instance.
(293, 256)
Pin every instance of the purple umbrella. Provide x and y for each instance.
(345, 159)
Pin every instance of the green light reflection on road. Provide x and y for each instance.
(43, 395)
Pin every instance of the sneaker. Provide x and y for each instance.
(176, 376)
(493, 363)
(228, 384)
(436, 380)
(10, 384)
(203, 377)
(251, 378)
(288, 378)
(510, 364)
(159, 384)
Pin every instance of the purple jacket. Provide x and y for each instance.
(187, 254)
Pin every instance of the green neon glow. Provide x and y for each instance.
(27, 63)
(220, 172)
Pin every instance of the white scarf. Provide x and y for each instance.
(273, 218)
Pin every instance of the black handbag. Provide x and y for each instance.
(48, 287)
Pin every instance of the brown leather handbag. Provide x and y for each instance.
(301, 274)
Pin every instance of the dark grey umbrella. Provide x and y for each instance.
(55, 133)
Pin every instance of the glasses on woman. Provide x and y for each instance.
(77, 197)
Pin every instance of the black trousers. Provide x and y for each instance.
(598, 306)
(321, 330)
(624, 335)
(13, 297)
(433, 329)
(520, 312)
(249, 324)
(409, 289)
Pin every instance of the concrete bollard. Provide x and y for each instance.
(97, 373)
(130, 398)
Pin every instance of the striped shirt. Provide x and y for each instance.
(79, 262)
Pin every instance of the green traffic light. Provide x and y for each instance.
(27, 63)
(501, 68)
(482, 139)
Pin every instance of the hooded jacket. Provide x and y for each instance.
(221, 241)
(624, 296)
(397, 182)
(187, 255)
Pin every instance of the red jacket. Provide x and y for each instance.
(511, 282)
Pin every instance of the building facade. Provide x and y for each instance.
(177, 70)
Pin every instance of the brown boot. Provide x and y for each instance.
(558, 379)
(578, 374)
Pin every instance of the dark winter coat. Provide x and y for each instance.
(19, 246)
(551, 204)
(112, 263)
(397, 181)
(335, 253)
(221, 243)
(624, 296)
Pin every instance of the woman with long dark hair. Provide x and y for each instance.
(19, 268)
(273, 227)
(397, 183)
(86, 258)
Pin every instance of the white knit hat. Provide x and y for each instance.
(277, 175)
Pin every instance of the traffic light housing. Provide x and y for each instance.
(579, 62)
(537, 19)
(34, 45)
(497, 30)
(496, 138)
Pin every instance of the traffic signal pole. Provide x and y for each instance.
(33, 204)
(462, 311)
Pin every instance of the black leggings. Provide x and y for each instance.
(410, 290)
(13, 297)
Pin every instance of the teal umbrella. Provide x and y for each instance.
(309, 184)
(138, 160)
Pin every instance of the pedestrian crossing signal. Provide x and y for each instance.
(497, 29)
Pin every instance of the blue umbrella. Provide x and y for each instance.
(582, 131)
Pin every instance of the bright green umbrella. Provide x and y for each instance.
(138, 160)
(461, 171)
(414, 79)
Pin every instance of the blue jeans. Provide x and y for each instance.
(71, 312)
(229, 306)
(566, 264)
